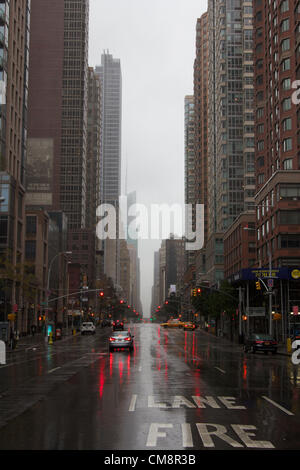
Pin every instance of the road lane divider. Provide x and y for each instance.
(278, 406)
(132, 403)
(53, 370)
(221, 370)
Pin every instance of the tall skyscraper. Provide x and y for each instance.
(230, 123)
(94, 148)
(57, 121)
(56, 168)
(201, 116)
(14, 49)
(189, 162)
(111, 83)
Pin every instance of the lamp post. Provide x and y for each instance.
(48, 287)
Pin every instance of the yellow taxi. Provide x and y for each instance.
(174, 323)
(189, 325)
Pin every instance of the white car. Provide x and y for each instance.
(88, 328)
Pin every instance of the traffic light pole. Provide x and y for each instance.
(270, 292)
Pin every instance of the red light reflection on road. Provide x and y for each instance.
(128, 366)
(194, 348)
(110, 363)
(121, 371)
(185, 346)
(245, 371)
(102, 377)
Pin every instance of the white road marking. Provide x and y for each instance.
(132, 403)
(278, 406)
(220, 431)
(221, 370)
(187, 438)
(52, 370)
(245, 437)
(154, 433)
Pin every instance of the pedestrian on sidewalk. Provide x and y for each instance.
(12, 339)
(33, 330)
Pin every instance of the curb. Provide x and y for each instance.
(31, 345)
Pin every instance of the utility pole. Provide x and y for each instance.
(240, 315)
(270, 292)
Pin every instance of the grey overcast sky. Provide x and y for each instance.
(155, 41)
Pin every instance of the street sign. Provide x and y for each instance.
(256, 312)
(270, 282)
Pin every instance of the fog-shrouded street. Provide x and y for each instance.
(178, 390)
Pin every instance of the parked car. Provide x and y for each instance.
(117, 325)
(260, 342)
(189, 325)
(121, 339)
(88, 328)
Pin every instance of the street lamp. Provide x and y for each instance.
(48, 287)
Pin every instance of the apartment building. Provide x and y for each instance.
(14, 50)
(277, 141)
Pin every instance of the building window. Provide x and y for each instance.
(286, 64)
(287, 124)
(260, 145)
(288, 164)
(289, 217)
(31, 225)
(289, 241)
(285, 25)
(291, 192)
(3, 230)
(261, 178)
(286, 84)
(284, 6)
(287, 144)
(260, 113)
(285, 45)
(286, 104)
(30, 249)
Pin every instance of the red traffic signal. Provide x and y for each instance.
(101, 294)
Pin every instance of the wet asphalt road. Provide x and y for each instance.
(178, 390)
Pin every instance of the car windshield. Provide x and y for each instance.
(121, 333)
(262, 337)
(87, 324)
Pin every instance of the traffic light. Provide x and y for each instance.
(194, 292)
(199, 291)
(258, 287)
(101, 294)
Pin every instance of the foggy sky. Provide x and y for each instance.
(155, 42)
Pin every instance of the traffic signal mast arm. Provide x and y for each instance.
(260, 280)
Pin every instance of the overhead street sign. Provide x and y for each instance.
(256, 312)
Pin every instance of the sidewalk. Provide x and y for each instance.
(31, 342)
